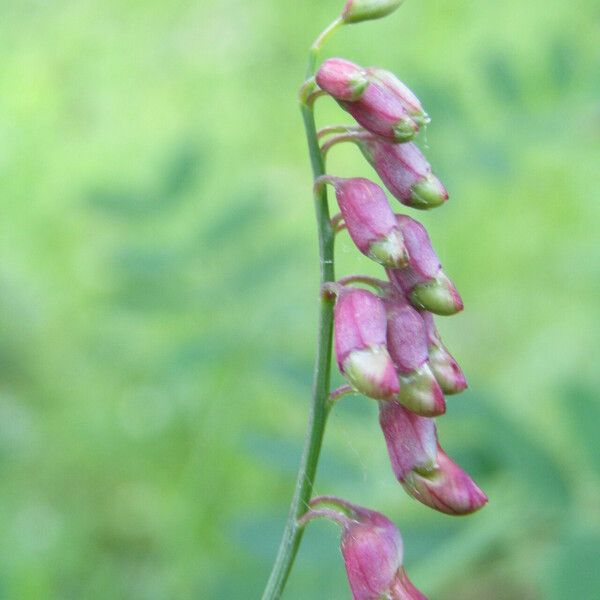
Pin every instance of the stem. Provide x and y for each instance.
(330, 129)
(314, 49)
(350, 136)
(378, 284)
(293, 531)
(339, 393)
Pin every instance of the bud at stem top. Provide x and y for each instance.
(364, 10)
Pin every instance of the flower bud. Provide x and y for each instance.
(408, 99)
(411, 439)
(370, 221)
(405, 172)
(372, 548)
(342, 79)
(365, 10)
(407, 345)
(423, 280)
(360, 344)
(445, 368)
(446, 488)
(379, 111)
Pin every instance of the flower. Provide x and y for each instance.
(409, 100)
(407, 345)
(372, 548)
(360, 344)
(446, 488)
(370, 220)
(404, 171)
(382, 113)
(342, 79)
(445, 368)
(411, 439)
(423, 280)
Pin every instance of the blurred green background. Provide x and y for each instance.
(158, 296)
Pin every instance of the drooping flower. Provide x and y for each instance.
(360, 344)
(407, 345)
(445, 368)
(382, 113)
(342, 79)
(446, 488)
(370, 221)
(404, 171)
(410, 438)
(422, 467)
(409, 100)
(372, 548)
(423, 280)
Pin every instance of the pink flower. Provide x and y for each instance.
(372, 549)
(382, 113)
(445, 368)
(405, 172)
(360, 344)
(370, 221)
(423, 280)
(422, 467)
(342, 79)
(410, 102)
(446, 488)
(411, 439)
(407, 345)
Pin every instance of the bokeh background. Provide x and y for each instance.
(158, 296)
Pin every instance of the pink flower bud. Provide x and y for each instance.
(411, 439)
(408, 99)
(403, 589)
(423, 280)
(342, 79)
(445, 368)
(360, 344)
(370, 221)
(405, 172)
(407, 345)
(364, 10)
(379, 111)
(446, 488)
(372, 549)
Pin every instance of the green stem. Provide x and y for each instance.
(293, 531)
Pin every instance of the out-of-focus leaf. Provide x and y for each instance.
(574, 573)
(582, 412)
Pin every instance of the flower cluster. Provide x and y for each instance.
(386, 342)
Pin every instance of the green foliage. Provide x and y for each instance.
(158, 296)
